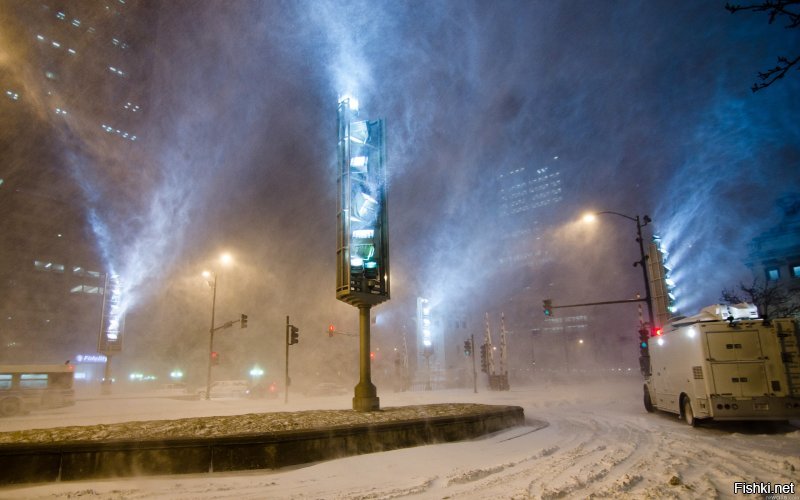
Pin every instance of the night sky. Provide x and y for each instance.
(644, 107)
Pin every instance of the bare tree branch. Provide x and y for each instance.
(775, 9)
(772, 299)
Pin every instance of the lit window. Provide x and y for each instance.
(48, 266)
(796, 271)
(33, 380)
(773, 274)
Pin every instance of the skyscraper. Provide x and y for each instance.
(74, 82)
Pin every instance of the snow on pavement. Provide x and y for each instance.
(599, 443)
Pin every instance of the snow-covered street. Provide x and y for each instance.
(599, 442)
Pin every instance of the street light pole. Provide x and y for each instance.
(643, 262)
(211, 336)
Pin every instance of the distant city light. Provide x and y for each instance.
(176, 374)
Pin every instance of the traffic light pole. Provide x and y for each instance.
(474, 370)
(366, 394)
(286, 377)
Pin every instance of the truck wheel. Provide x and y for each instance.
(688, 414)
(648, 403)
(10, 407)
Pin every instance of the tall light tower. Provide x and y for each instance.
(362, 254)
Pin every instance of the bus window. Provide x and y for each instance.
(5, 381)
(33, 381)
(61, 380)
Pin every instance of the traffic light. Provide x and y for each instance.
(294, 333)
(214, 358)
(548, 307)
(484, 363)
(331, 330)
(467, 348)
(643, 336)
(644, 351)
(243, 323)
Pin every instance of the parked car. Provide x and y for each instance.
(226, 389)
(263, 390)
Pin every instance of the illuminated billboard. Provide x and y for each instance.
(362, 243)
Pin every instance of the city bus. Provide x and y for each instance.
(32, 387)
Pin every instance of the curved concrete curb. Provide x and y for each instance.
(27, 463)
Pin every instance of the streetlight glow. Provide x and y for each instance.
(226, 258)
(589, 217)
(206, 274)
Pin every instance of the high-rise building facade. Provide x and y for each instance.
(74, 83)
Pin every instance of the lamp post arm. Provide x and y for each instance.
(634, 219)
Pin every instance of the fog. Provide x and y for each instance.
(643, 108)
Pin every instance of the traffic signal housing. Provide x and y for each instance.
(331, 330)
(294, 334)
(467, 348)
(214, 358)
(547, 304)
(243, 322)
(644, 351)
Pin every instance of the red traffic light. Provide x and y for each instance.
(331, 330)
(657, 331)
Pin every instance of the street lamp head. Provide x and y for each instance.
(589, 217)
(206, 274)
(226, 258)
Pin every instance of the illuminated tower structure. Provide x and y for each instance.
(662, 286)
(74, 82)
(362, 251)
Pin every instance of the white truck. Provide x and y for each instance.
(725, 364)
